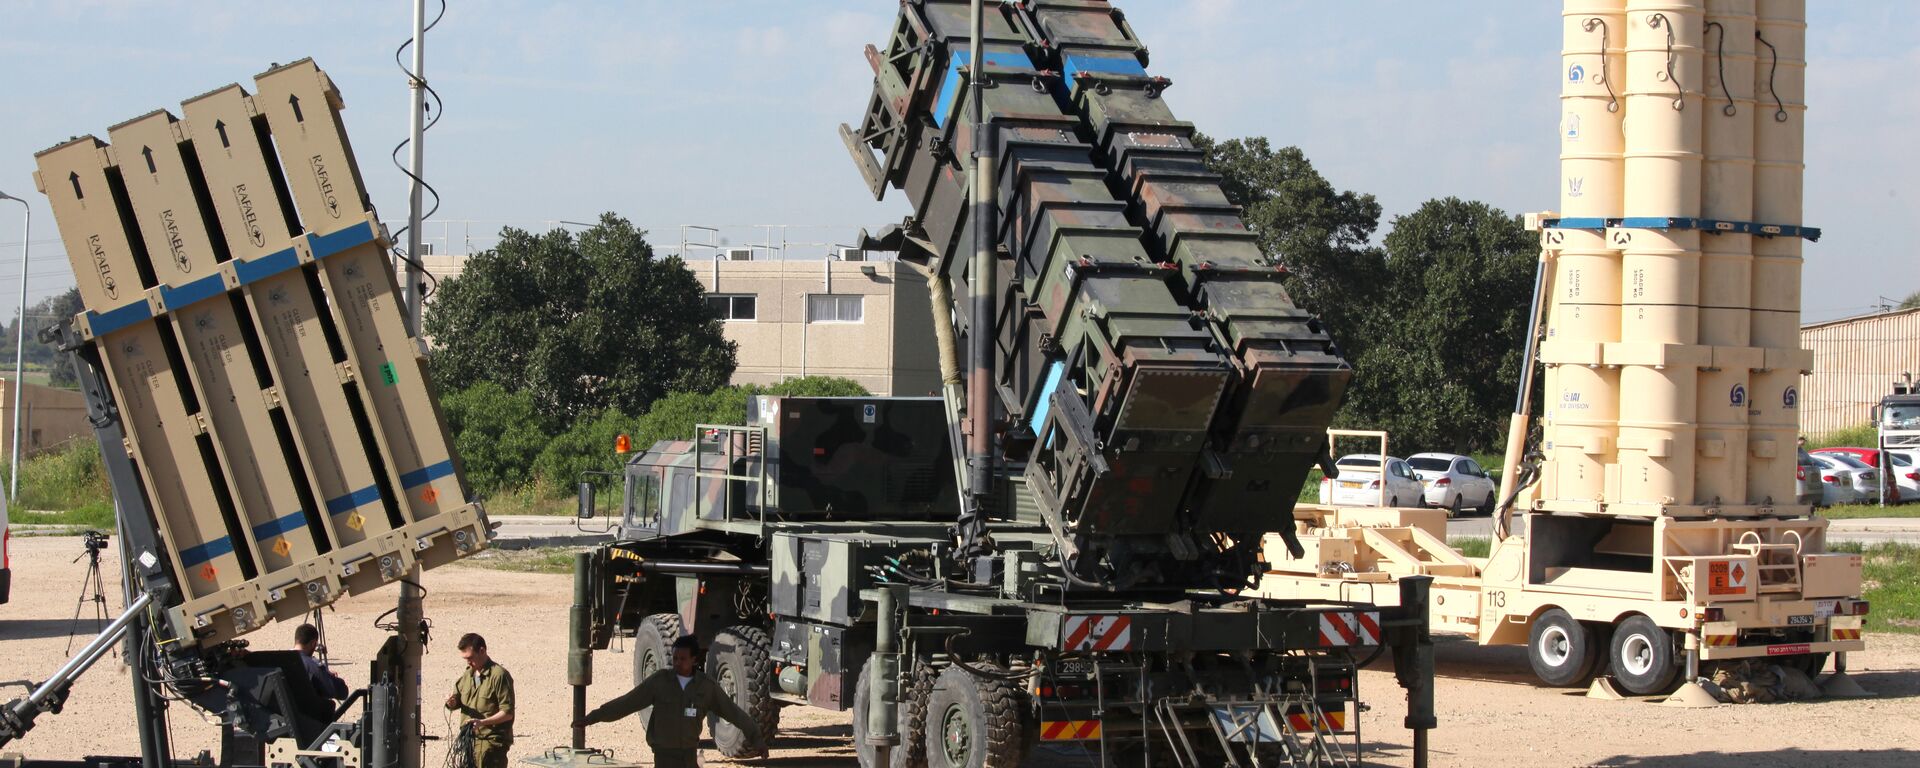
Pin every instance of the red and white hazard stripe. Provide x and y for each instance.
(1096, 633)
(1347, 629)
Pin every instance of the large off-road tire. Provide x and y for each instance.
(974, 722)
(915, 686)
(1641, 658)
(740, 661)
(1562, 651)
(653, 648)
(653, 644)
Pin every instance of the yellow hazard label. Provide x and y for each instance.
(281, 547)
(355, 521)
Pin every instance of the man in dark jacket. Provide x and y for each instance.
(681, 697)
(306, 640)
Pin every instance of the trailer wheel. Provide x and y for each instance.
(1811, 663)
(740, 662)
(915, 685)
(1642, 660)
(1561, 650)
(974, 722)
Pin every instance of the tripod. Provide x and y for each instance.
(92, 588)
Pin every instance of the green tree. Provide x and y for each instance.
(587, 446)
(1911, 301)
(497, 433)
(1443, 358)
(58, 308)
(584, 322)
(1319, 232)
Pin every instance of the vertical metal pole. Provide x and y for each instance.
(411, 613)
(579, 651)
(155, 745)
(416, 161)
(20, 348)
(980, 287)
(883, 692)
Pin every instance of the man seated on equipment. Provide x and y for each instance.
(681, 697)
(306, 640)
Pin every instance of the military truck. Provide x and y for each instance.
(1052, 552)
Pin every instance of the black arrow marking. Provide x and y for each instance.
(74, 176)
(220, 126)
(295, 102)
(147, 152)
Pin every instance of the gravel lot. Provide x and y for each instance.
(1490, 713)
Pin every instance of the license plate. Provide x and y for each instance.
(1803, 620)
(1350, 484)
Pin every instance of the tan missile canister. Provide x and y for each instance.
(1663, 126)
(1657, 412)
(1583, 397)
(1593, 68)
(1779, 152)
(1660, 292)
(1726, 190)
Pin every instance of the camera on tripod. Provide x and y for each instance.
(94, 541)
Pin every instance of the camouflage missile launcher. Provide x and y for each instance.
(1163, 390)
(802, 544)
(1052, 552)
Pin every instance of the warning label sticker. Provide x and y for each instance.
(1725, 577)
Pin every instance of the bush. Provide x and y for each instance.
(66, 479)
(587, 446)
(497, 433)
(1862, 436)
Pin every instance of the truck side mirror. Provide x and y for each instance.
(586, 500)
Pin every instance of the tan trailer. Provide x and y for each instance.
(1643, 599)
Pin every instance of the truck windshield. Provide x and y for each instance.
(1903, 416)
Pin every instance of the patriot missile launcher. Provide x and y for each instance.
(1050, 555)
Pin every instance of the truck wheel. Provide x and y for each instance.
(1642, 658)
(1561, 650)
(973, 722)
(653, 645)
(911, 752)
(739, 661)
(1811, 663)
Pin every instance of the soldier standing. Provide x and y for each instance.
(681, 697)
(484, 695)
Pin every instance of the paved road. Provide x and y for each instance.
(1863, 530)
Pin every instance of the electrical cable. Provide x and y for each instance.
(436, 110)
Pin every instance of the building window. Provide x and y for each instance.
(732, 307)
(835, 308)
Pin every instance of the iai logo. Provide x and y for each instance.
(1576, 73)
(1738, 396)
(1790, 399)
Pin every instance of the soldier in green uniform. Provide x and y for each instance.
(681, 697)
(484, 695)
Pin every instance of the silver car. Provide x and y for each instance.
(1360, 483)
(1847, 480)
(1453, 482)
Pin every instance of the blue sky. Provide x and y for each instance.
(725, 111)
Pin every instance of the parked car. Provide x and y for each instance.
(1453, 482)
(1808, 490)
(1899, 482)
(1360, 479)
(1847, 480)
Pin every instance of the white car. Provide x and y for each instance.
(1360, 478)
(1453, 482)
(1846, 480)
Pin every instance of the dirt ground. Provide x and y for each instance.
(1490, 713)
